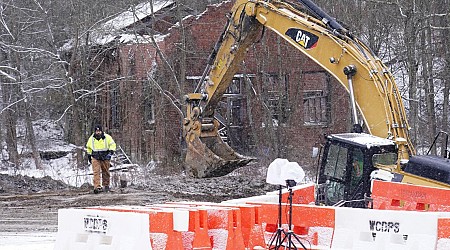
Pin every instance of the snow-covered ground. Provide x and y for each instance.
(62, 169)
(40, 233)
(49, 138)
(27, 241)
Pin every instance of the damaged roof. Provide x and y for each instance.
(115, 28)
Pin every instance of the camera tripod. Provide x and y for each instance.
(281, 238)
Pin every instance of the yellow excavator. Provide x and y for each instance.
(349, 160)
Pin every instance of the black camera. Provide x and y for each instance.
(290, 183)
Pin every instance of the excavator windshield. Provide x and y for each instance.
(385, 159)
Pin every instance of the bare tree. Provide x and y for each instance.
(446, 73)
(50, 68)
(17, 50)
(33, 71)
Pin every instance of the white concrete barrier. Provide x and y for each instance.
(87, 229)
(383, 229)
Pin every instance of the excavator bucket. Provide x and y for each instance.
(211, 157)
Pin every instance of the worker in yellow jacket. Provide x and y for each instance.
(100, 147)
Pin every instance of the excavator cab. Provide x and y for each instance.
(346, 167)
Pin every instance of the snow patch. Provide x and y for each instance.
(28, 241)
(220, 237)
(159, 240)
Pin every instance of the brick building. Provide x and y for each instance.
(280, 103)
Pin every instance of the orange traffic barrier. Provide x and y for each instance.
(162, 223)
(402, 196)
(199, 226)
(252, 230)
(225, 221)
(307, 222)
(197, 235)
(302, 194)
(162, 233)
(443, 228)
(251, 226)
(443, 239)
(443, 234)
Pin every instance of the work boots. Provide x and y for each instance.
(98, 190)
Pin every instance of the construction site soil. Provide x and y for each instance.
(30, 204)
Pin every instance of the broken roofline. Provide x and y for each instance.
(199, 16)
(134, 14)
(113, 29)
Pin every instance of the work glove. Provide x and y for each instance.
(109, 155)
(89, 158)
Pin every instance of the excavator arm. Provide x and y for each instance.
(374, 95)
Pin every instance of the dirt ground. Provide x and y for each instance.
(31, 204)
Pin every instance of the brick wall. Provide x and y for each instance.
(295, 140)
(292, 140)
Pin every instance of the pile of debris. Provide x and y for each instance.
(19, 184)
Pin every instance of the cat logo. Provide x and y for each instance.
(306, 39)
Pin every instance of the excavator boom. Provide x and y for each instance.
(370, 84)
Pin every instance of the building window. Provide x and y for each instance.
(275, 92)
(115, 108)
(149, 106)
(235, 85)
(230, 110)
(315, 107)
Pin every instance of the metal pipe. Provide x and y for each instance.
(350, 71)
(321, 14)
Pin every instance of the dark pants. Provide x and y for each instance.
(103, 166)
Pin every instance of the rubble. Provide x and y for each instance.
(19, 184)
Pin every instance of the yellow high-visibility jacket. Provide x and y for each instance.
(100, 148)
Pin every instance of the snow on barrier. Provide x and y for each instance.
(224, 228)
(443, 242)
(252, 230)
(302, 194)
(83, 229)
(198, 231)
(402, 196)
